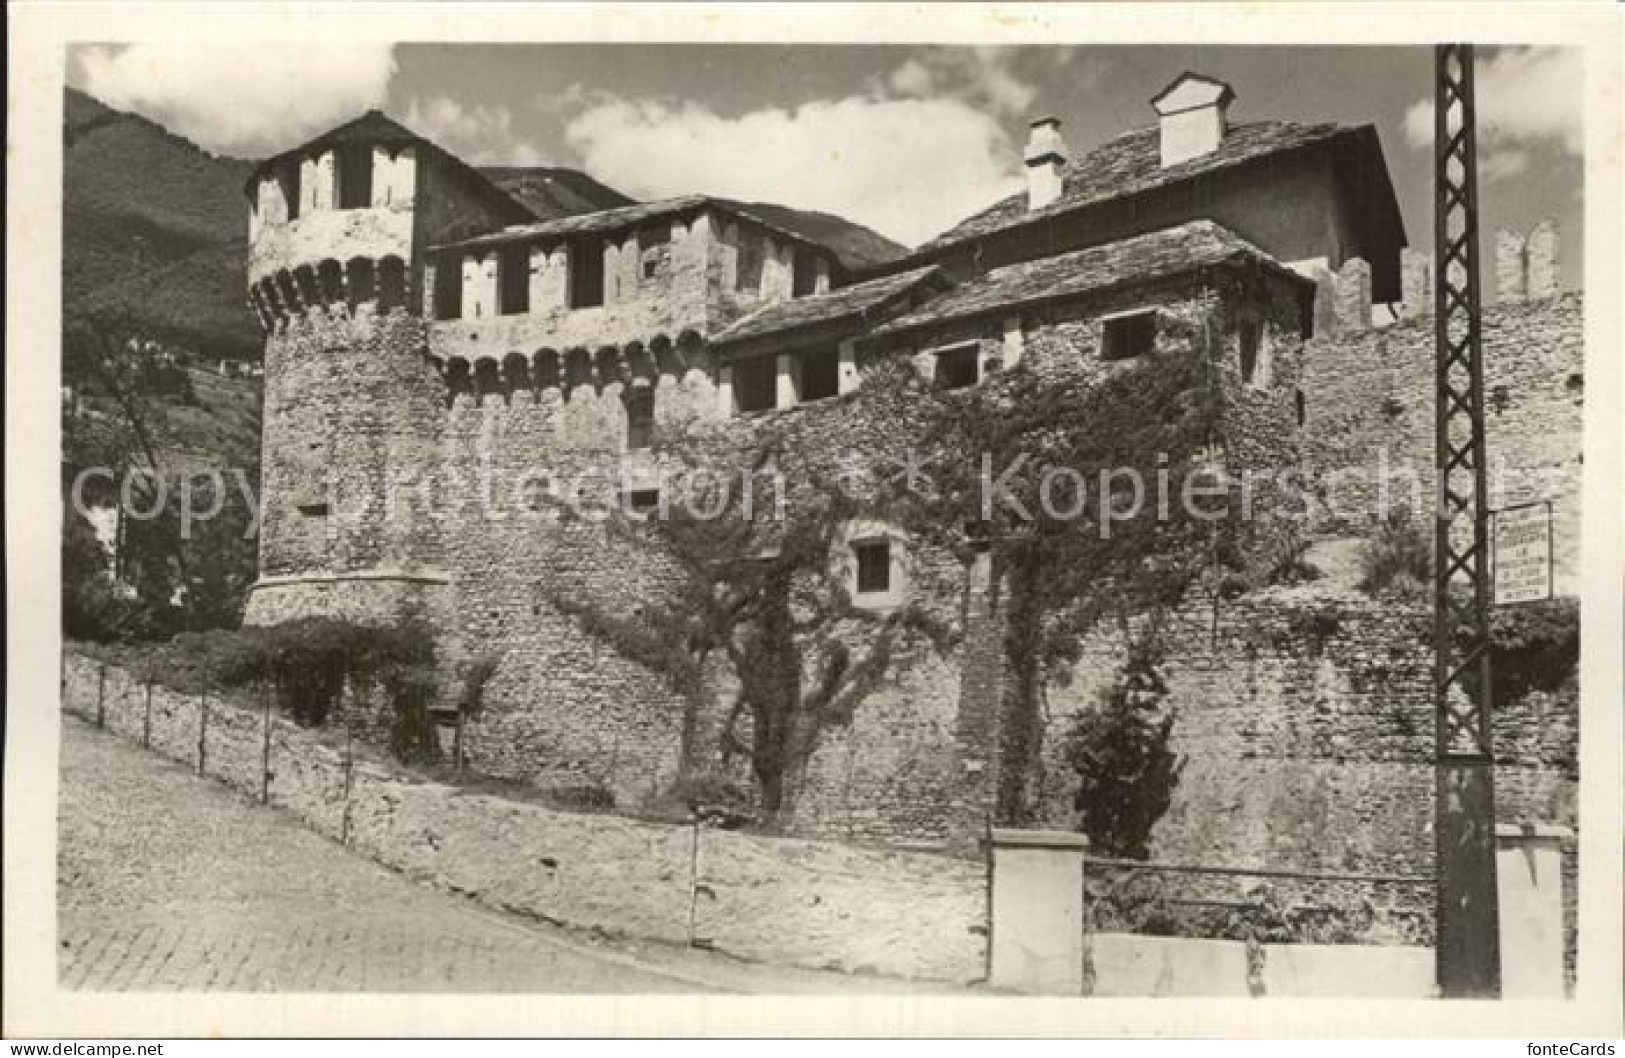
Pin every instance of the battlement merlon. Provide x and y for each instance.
(368, 190)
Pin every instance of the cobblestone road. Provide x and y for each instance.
(171, 882)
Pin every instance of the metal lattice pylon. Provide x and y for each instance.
(1468, 942)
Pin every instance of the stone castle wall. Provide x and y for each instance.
(1369, 397)
(1294, 730)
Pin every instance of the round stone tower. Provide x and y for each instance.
(353, 405)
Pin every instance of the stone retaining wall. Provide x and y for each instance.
(804, 903)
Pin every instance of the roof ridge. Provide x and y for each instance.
(1126, 165)
(1194, 244)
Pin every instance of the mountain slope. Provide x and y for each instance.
(156, 225)
(856, 246)
(551, 192)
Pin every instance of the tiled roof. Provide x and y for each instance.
(845, 303)
(1131, 164)
(620, 219)
(1158, 254)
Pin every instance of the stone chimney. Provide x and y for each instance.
(1191, 117)
(1045, 157)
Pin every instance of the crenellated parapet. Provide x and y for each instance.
(1526, 265)
(277, 299)
(1521, 266)
(533, 378)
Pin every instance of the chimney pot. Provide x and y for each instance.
(1045, 157)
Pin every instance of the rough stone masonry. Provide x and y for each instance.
(432, 333)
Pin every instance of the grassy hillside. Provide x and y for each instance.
(154, 223)
(857, 246)
(550, 192)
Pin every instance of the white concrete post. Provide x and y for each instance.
(1529, 887)
(847, 376)
(785, 389)
(1036, 936)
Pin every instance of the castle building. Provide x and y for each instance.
(424, 329)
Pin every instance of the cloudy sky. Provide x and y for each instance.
(907, 140)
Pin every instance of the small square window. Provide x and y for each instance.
(959, 367)
(755, 384)
(874, 566)
(643, 502)
(651, 265)
(537, 494)
(1126, 337)
(820, 375)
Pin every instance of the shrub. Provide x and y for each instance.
(1398, 557)
(1126, 768)
(586, 797)
(1287, 562)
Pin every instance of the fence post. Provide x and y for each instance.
(1087, 918)
(101, 695)
(693, 875)
(265, 748)
(202, 729)
(349, 769)
(146, 720)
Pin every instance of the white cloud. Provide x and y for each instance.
(983, 77)
(906, 167)
(252, 98)
(479, 134)
(1527, 98)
